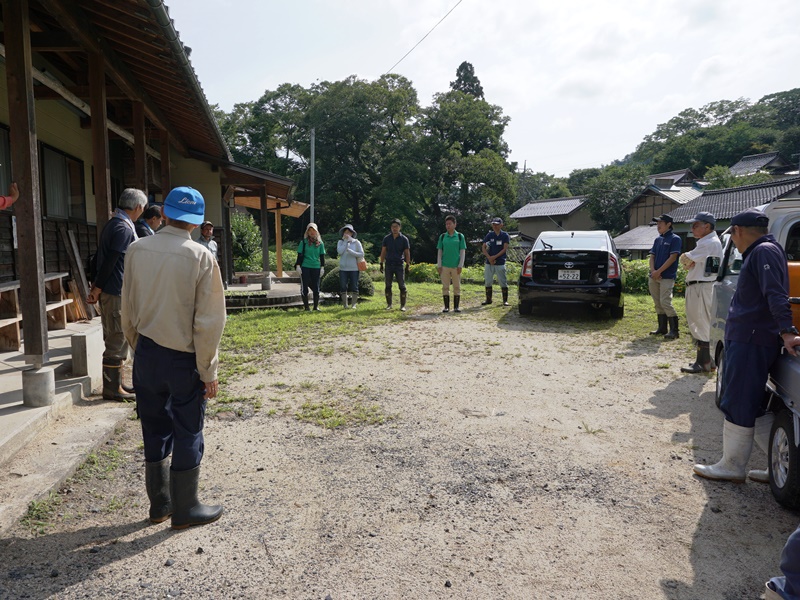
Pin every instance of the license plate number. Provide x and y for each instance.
(569, 275)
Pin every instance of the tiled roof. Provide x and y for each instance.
(549, 208)
(680, 194)
(723, 204)
(640, 238)
(674, 175)
(753, 163)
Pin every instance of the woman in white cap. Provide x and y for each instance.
(350, 252)
(310, 262)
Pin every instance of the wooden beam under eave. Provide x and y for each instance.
(166, 178)
(139, 148)
(25, 171)
(278, 243)
(264, 233)
(79, 25)
(100, 154)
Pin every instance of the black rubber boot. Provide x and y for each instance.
(446, 303)
(662, 325)
(403, 298)
(305, 301)
(695, 367)
(156, 480)
(316, 300)
(456, 301)
(488, 297)
(388, 295)
(187, 509)
(673, 329)
(505, 296)
(112, 379)
(705, 360)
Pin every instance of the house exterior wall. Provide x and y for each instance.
(578, 221)
(642, 211)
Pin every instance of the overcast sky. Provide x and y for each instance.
(583, 81)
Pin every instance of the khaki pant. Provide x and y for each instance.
(449, 275)
(661, 292)
(698, 309)
(111, 317)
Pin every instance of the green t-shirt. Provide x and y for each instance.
(451, 247)
(311, 254)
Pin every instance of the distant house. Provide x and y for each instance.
(664, 193)
(769, 162)
(547, 215)
(637, 241)
(724, 204)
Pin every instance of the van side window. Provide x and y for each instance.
(793, 243)
(733, 257)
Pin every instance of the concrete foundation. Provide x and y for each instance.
(39, 387)
(87, 355)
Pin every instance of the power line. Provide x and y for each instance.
(423, 38)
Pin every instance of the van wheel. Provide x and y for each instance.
(784, 470)
(617, 312)
(719, 387)
(525, 308)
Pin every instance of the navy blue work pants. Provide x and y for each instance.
(171, 404)
(348, 279)
(745, 372)
(309, 278)
(788, 586)
(394, 272)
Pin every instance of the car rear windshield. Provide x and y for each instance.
(570, 243)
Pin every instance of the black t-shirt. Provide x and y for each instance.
(395, 249)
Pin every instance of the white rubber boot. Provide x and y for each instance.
(761, 438)
(737, 443)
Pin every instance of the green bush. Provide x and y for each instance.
(637, 277)
(423, 273)
(288, 258)
(245, 242)
(330, 282)
(427, 273)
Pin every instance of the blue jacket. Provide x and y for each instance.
(760, 306)
(664, 246)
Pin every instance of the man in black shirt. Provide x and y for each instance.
(396, 253)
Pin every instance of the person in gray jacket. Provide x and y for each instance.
(350, 252)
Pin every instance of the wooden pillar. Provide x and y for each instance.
(139, 143)
(25, 171)
(226, 256)
(100, 157)
(278, 242)
(166, 180)
(264, 232)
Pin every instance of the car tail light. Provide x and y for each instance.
(613, 267)
(527, 266)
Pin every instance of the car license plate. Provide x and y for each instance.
(569, 275)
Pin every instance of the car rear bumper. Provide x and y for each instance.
(609, 293)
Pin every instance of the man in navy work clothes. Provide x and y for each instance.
(759, 323)
(495, 246)
(663, 268)
(118, 234)
(396, 253)
(173, 313)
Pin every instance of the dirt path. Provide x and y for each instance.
(517, 459)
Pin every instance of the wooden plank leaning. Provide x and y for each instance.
(76, 266)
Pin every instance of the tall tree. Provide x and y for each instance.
(610, 192)
(467, 82)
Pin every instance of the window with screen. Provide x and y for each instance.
(62, 179)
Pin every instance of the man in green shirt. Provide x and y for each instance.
(451, 248)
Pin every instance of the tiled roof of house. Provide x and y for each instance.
(549, 208)
(680, 194)
(682, 174)
(639, 238)
(723, 204)
(754, 163)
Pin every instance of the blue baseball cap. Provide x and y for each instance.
(704, 217)
(185, 204)
(752, 217)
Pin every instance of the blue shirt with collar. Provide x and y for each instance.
(760, 306)
(663, 247)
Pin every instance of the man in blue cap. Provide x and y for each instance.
(173, 314)
(663, 268)
(699, 288)
(759, 323)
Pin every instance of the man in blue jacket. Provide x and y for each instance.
(663, 268)
(759, 323)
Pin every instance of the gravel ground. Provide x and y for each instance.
(482, 458)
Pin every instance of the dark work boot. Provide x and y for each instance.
(316, 300)
(305, 301)
(187, 510)
(505, 296)
(112, 380)
(456, 301)
(662, 325)
(156, 480)
(403, 298)
(488, 297)
(705, 360)
(446, 303)
(673, 329)
(388, 295)
(694, 367)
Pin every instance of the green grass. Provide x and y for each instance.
(333, 415)
(40, 513)
(100, 465)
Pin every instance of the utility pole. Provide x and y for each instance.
(313, 140)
